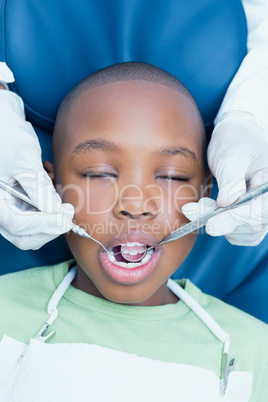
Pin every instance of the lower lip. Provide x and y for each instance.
(128, 276)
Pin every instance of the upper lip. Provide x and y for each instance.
(133, 236)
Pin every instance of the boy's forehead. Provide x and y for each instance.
(130, 103)
(134, 89)
(130, 96)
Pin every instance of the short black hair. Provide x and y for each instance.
(128, 71)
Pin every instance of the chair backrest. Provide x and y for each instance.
(51, 45)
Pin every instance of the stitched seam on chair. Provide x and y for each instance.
(43, 120)
(209, 123)
(3, 24)
(39, 118)
(48, 125)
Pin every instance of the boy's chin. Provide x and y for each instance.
(142, 294)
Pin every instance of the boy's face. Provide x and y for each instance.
(130, 157)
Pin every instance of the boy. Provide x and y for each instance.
(128, 153)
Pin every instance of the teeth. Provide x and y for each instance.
(132, 244)
(132, 253)
(133, 248)
(131, 264)
(128, 265)
(147, 256)
(111, 256)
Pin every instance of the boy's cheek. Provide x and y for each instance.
(87, 199)
(173, 216)
(185, 194)
(172, 222)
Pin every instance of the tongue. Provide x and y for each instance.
(134, 253)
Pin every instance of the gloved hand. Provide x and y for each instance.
(20, 162)
(238, 159)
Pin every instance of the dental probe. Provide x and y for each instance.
(16, 193)
(197, 224)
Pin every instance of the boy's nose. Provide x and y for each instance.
(136, 214)
(135, 203)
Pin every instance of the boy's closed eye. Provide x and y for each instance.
(173, 178)
(100, 175)
(104, 175)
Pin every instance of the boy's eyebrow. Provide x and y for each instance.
(95, 145)
(107, 146)
(173, 151)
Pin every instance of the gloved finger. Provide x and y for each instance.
(258, 178)
(13, 200)
(65, 209)
(35, 223)
(40, 189)
(194, 210)
(248, 238)
(35, 241)
(253, 214)
(29, 242)
(231, 180)
(226, 222)
(17, 206)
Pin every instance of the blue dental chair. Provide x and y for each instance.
(51, 45)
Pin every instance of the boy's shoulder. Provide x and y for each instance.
(25, 275)
(30, 288)
(248, 335)
(24, 296)
(32, 278)
(233, 320)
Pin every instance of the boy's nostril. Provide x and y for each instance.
(135, 215)
(126, 213)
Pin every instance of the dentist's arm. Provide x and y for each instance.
(20, 162)
(238, 150)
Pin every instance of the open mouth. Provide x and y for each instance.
(130, 255)
(130, 262)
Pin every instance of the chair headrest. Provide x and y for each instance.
(51, 45)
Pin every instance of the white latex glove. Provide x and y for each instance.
(238, 159)
(20, 161)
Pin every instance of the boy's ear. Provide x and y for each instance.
(208, 184)
(49, 168)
